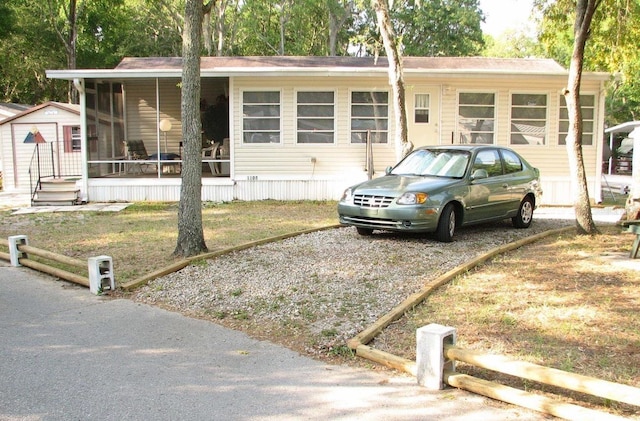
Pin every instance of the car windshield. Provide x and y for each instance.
(434, 162)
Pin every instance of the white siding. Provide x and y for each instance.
(17, 155)
(291, 161)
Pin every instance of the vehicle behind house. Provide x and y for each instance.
(438, 189)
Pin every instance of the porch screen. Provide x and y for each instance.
(261, 117)
(369, 115)
(587, 105)
(476, 117)
(528, 119)
(315, 117)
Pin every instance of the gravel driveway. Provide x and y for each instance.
(323, 287)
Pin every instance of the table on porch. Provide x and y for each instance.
(168, 167)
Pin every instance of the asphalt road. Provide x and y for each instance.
(66, 354)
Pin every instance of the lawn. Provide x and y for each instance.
(142, 238)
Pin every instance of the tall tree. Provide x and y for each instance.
(582, 205)
(340, 12)
(396, 78)
(64, 19)
(190, 233)
(439, 27)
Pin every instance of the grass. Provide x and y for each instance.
(560, 302)
(141, 239)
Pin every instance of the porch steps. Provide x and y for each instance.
(57, 192)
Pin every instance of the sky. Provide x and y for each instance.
(501, 15)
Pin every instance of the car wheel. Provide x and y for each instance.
(446, 224)
(525, 214)
(364, 231)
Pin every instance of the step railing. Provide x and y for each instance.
(47, 163)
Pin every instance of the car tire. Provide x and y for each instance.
(364, 231)
(446, 224)
(525, 214)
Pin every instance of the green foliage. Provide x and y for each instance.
(512, 44)
(612, 47)
(425, 28)
(439, 27)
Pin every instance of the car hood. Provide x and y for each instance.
(394, 185)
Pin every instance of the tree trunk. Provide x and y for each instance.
(190, 233)
(338, 16)
(581, 202)
(403, 146)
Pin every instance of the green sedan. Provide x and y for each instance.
(440, 188)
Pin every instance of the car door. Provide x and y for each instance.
(490, 196)
(516, 177)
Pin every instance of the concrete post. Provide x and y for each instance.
(14, 253)
(430, 360)
(101, 274)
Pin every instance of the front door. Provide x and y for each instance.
(423, 115)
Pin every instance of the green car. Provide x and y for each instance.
(440, 188)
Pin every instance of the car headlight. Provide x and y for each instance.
(412, 198)
(347, 196)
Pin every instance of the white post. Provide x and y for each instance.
(14, 253)
(101, 274)
(635, 165)
(430, 360)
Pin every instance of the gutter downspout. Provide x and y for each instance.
(84, 187)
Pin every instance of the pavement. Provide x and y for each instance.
(70, 355)
(20, 204)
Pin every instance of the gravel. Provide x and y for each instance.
(326, 286)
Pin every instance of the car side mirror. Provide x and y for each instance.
(387, 170)
(479, 174)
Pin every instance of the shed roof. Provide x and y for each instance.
(72, 108)
(145, 67)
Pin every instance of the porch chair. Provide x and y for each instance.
(212, 152)
(135, 150)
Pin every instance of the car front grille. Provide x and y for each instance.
(371, 201)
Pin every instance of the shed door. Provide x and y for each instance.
(423, 115)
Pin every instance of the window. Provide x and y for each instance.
(421, 108)
(369, 115)
(528, 119)
(261, 117)
(587, 105)
(488, 161)
(476, 117)
(316, 112)
(512, 162)
(71, 138)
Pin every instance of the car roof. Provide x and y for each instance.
(462, 147)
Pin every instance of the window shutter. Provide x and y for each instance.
(67, 138)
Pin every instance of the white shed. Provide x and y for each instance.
(51, 130)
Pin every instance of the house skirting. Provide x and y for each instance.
(556, 190)
(215, 190)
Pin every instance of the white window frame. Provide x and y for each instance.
(533, 132)
(562, 134)
(417, 108)
(353, 132)
(266, 131)
(481, 132)
(319, 118)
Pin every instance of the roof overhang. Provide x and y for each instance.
(626, 127)
(292, 66)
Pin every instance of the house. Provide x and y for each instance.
(298, 127)
(50, 130)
